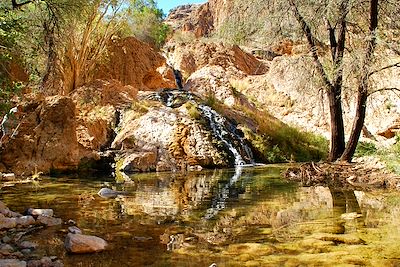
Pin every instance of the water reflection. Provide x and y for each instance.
(246, 216)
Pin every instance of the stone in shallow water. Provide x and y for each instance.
(49, 221)
(77, 243)
(6, 249)
(8, 176)
(25, 220)
(44, 212)
(12, 263)
(74, 230)
(27, 244)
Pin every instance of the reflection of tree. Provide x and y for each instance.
(344, 201)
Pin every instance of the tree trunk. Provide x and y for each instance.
(362, 94)
(337, 125)
(334, 91)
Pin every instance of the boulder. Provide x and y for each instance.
(139, 162)
(74, 230)
(79, 244)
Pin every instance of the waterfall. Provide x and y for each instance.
(221, 128)
(218, 126)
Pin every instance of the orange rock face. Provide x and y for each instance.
(191, 57)
(45, 139)
(137, 64)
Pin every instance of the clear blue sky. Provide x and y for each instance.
(166, 5)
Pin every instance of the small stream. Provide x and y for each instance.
(242, 217)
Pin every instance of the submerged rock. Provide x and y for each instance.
(12, 263)
(49, 221)
(107, 193)
(80, 244)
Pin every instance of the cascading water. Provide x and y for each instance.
(222, 129)
(218, 125)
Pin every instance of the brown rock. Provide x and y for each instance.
(77, 243)
(7, 223)
(135, 63)
(141, 161)
(46, 138)
(191, 57)
(197, 19)
(25, 220)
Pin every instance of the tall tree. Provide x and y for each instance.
(340, 45)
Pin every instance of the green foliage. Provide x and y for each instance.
(145, 21)
(365, 149)
(193, 111)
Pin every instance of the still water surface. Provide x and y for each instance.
(242, 217)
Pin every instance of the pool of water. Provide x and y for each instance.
(242, 217)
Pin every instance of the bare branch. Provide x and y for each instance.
(384, 89)
(397, 64)
(312, 43)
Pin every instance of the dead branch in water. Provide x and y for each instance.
(351, 176)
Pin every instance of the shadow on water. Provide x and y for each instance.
(237, 217)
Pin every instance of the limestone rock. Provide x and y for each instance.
(78, 243)
(197, 19)
(27, 245)
(213, 81)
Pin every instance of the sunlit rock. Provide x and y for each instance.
(79, 244)
(142, 161)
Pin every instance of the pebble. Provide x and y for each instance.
(8, 177)
(6, 249)
(77, 243)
